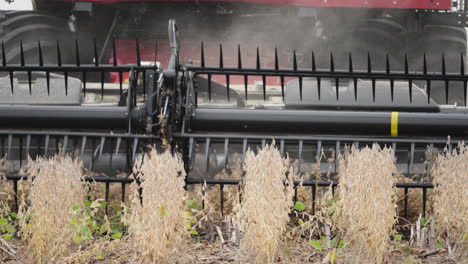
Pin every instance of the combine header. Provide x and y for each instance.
(211, 113)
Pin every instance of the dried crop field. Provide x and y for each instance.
(266, 219)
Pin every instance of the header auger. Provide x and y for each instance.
(211, 113)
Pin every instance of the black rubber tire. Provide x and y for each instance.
(30, 28)
(379, 37)
(435, 41)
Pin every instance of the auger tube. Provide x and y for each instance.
(330, 122)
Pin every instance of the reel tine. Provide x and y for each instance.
(83, 145)
(28, 144)
(221, 62)
(138, 57)
(77, 53)
(101, 147)
(64, 147)
(114, 52)
(207, 154)
(96, 56)
(134, 149)
(276, 59)
(9, 144)
(46, 145)
(202, 56)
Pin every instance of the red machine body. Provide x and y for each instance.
(402, 4)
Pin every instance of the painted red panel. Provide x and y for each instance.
(408, 4)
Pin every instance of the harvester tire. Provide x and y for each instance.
(452, 43)
(30, 28)
(378, 37)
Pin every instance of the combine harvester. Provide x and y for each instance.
(110, 100)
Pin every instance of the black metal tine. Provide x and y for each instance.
(21, 54)
(107, 195)
(66, 82)
(314, 196)
(4, 60)
(123, 192)
(41, 58)
(428, 82)
(300, 88)
(207, 154)
(134, 149)
(117, 145)
(282, 86)
(424, 194)
(83, 145)
(263, 142)
(64, 146)
(221, 64)
(431, 149)
(332, 63)
(355, 82)
(221, 189)
(77, 53)
(59, 55)
(350, 62)
(96, 56)
(28, 144)
(337, 88)
(209, 87)
(392, 89)
(46, 145)
(202, 56)
(244, 148)
(228, 80)
(48, 82)
(138, 58)
(313, 62)
(11, 81)
(239, 57)
(30, 82)
(226, 152)
(276, 59)
(319, 87)
(462, 74)
(258, 59)
(264, 87)
(120, 83)
(15, 190)
(294, 60)
(387, 64)
(446, 81)
(282, 147)
(369, 63)
(114, 52)
(301, 145)
(10, 141)
(101, 147)
(410, 82)
(373, 90)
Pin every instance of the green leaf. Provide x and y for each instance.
(331, 211)
(7, 237)
(117, 236)
(440, 244)
(300, 221)
(398, 237)
(192, 204)
(407, 250)
(287, 251)
(464, 238)
(95, 205)
(10, 229)
(316, 244)
(102, 229)
(74, 222)
(87, 202)
(342, 244)
(194, 233)
(14, 215)
(3, 221)
(77, 239)
(332, 255)
(299, 206)
(425, 221)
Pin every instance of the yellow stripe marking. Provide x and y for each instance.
(394, 125)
